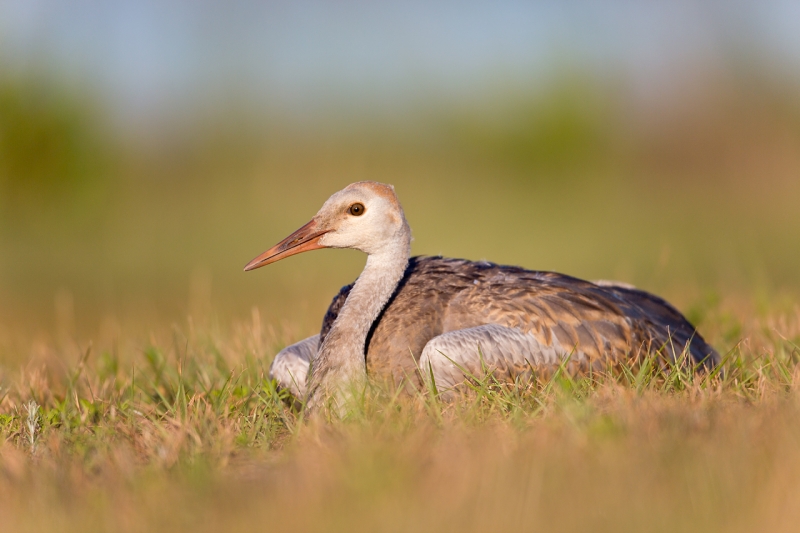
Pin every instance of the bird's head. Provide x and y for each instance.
(364, 216)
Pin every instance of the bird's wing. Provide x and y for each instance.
(666, 328)
(506, 353)
(290, 366)
(600, 322)
(566, 316)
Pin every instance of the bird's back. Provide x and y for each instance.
(600, 322)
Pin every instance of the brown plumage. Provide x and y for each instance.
(436, 295)
(431, 318)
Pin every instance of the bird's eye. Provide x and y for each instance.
(356, 210)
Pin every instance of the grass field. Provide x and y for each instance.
(191, 436)
(134, 351)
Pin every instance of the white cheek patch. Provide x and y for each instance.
(369, 232)
(349, 234)
(332, 240)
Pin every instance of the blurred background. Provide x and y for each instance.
(149, 149)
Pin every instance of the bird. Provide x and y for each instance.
(431, 320)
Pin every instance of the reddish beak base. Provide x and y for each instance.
(303, 240)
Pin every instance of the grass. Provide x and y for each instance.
(187, 433)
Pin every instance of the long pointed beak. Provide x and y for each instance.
(302, 240)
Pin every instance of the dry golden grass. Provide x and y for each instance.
(187, 434)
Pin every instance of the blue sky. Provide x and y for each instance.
(148, 56)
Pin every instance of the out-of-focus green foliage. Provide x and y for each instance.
(52, 140)
(564, 126)
(696, 193)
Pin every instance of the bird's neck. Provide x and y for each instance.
(341, 364)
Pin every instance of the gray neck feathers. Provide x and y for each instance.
(340, 362)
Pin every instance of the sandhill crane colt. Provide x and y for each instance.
(436, 318)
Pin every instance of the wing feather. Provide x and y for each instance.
(438, 295)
